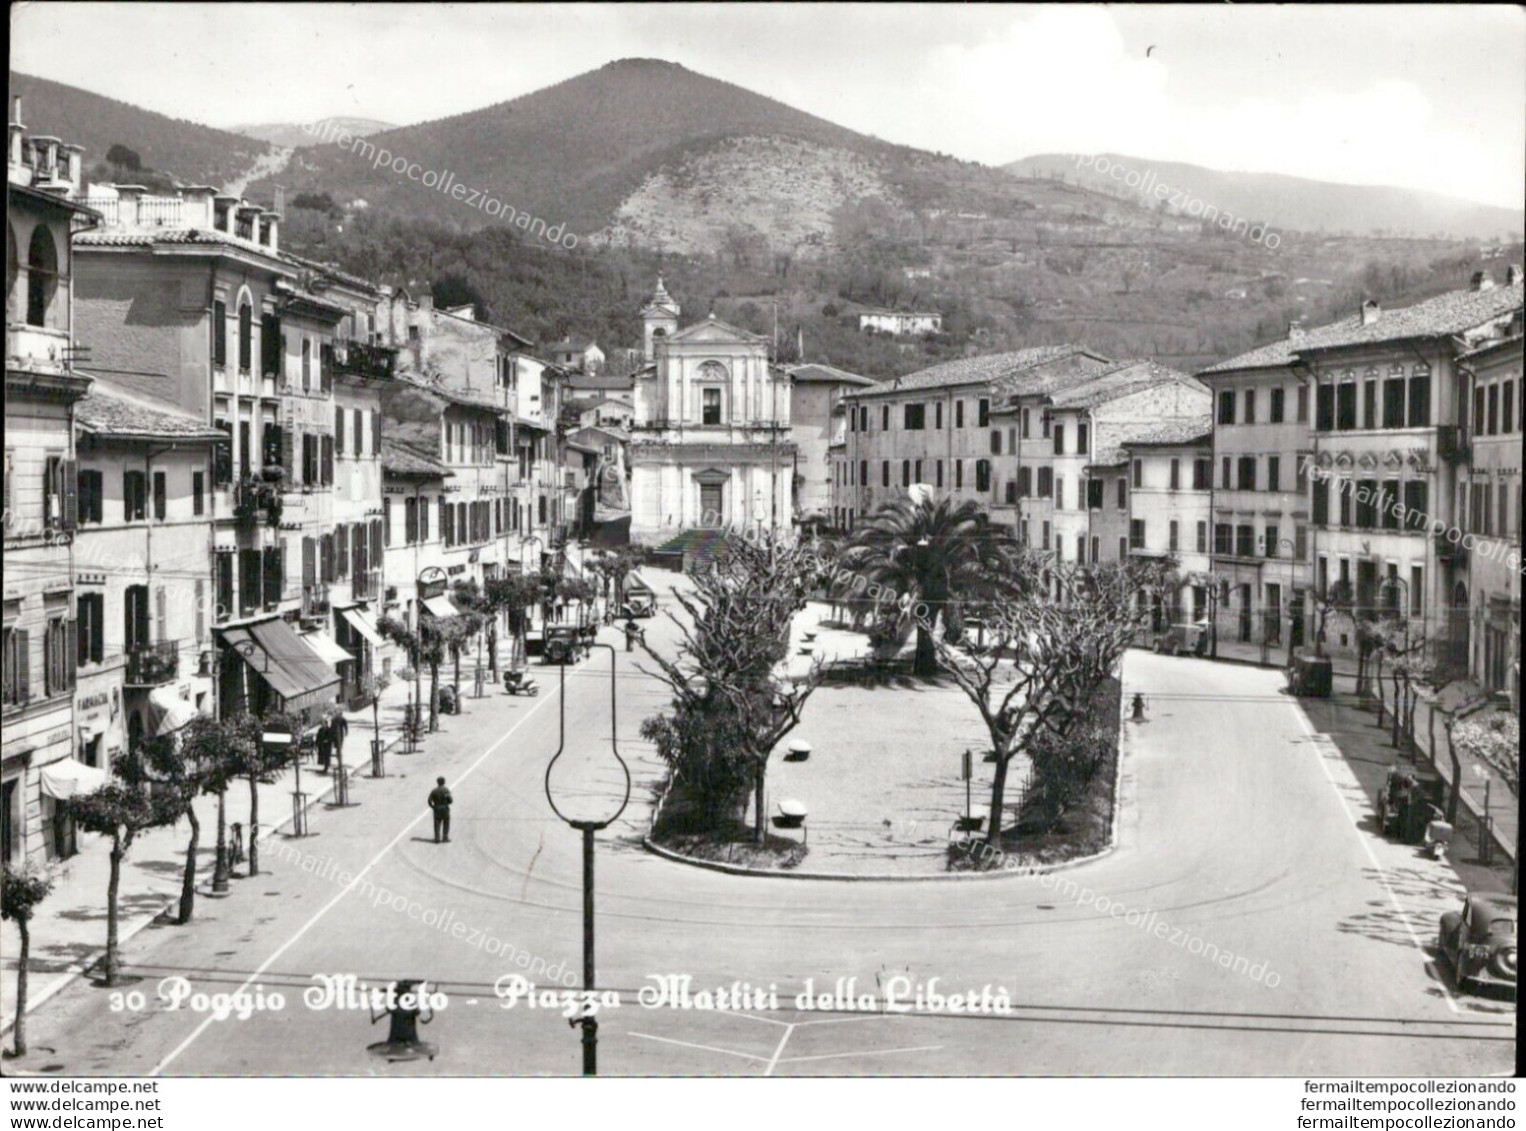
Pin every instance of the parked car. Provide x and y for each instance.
(1478, 942)
(640, 600)
(1184, 639)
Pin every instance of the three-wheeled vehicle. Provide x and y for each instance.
(1407, 802)
(1478, 941)
(640, 599)
(1183, 639)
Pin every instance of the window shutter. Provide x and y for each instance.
(328, 460)
(288, 453)
(82, 628)
(376, 429)
(376, 543)
(68, 488)
(357, 559)
(161, 617)
(339, 431)
(23, 662)
(309, 563)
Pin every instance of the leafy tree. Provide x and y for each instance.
(455, 289)
(23, 887)
(1493, 737)
(201, 758)
(119, 154)
(930, 554)
(371, 687)
(121, 811)
(258, 764)
(729, 671)
(1046, 658)
(411, 642)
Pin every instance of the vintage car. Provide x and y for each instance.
(1478, 942)
(1407, 801)
(1183, 639)
(564, 644)
(640, 601)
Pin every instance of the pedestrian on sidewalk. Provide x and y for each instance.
(339, 727)
(325, 746)
(440, 802)
(632, 633)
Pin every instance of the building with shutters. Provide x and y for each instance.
(939, 427)
(819, 424)
(143, 577)
(186, 302)
(1169, 505)
(1498, 399)
(42, 391)
(413, 483)
(1380, 446)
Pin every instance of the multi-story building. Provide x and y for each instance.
(818, 421)
(1169, 496)
(188, 303)
(1494, 513)
(1390, 446)
(1262, 438)
(936, 427)
(143, 562)
(347, 595)
(41, 515)
(413, 482)
(1382, 466)
(710, 444)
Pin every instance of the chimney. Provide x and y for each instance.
(1371, 312)
(269, 229)
(1295, 331)
(18, 136)
(1512, 276)
(199, 212)
(74, 166)
(1482, 281)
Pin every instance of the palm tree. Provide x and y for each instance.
(932, 554)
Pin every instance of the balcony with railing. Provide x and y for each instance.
(315, 602)
(366, 585)
(256, 499)
(150, 665)
(360, 359)
(1449, 551)
(1452, 444)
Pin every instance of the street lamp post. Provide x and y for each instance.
(587, 826)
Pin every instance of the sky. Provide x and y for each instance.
(1426, 97)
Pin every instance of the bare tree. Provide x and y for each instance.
(1044, 660)
(731, 662)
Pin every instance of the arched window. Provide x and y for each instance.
(245, 336)
(42, 276)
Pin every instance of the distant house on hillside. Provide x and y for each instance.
(901, 323)
(582, 355)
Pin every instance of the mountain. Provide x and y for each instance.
(294, 135)
(195, 154)
(602, 152)
(1287, 202)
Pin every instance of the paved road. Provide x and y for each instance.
(1241, 831)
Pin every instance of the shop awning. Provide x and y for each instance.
(327, 647)
(167, 711)
(292, 669)
(440, 607)
(361, 622)
(68, 777)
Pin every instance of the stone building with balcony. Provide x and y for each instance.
(1390, 453)
(939, 427)
(187, 302)
(143, 575)
(42, 391)
(711, 442)
(413, 483)
(1494, 513)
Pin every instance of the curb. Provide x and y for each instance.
(943, 877)
(127, 932)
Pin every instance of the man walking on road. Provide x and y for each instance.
(440, 802)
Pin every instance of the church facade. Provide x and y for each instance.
(710, 445)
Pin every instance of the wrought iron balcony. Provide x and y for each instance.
(1452, 444)
(366, 585)
(360, 359)
(152, 664)
(1448, 551)
(315, 601)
